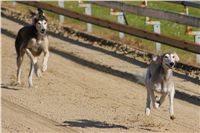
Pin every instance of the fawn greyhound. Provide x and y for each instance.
(159, 79)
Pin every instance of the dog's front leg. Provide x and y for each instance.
(45, 60)
(34, 61)
(171, 104)
(162, 99)
(34, 66)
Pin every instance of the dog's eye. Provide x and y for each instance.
(45, 22)
(165, 56)
(173, 56)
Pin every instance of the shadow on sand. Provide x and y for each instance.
(84, 123)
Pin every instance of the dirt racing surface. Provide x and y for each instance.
(85, 90)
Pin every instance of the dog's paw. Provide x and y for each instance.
(148, 111)
(157, 105)
(172, 117)
(30, 83)
(44, 67)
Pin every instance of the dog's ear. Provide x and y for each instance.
(34, 16)
(40, 12)
(175, 56)
(156, 59)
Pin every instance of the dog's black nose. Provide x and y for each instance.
(43, 30)
(171, 64)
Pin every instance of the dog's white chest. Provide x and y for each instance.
(35, 45)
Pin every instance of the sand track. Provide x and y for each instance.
(84, 90)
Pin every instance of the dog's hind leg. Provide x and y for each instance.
(148, 103)
(19, 64)
(31, 74)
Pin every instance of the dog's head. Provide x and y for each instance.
(167, 60)
(40, 21)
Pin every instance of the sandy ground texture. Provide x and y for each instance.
(84, 90)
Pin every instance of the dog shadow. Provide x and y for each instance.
(13, 87)
(84, 123)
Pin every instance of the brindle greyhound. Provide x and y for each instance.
(159, 79)
(33, 40)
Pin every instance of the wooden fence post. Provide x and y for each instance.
(120, 19)
(88, 11)
(61, 4)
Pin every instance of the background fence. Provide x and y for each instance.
(179, 18)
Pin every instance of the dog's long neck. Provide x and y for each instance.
(166, 73)
(40, 36)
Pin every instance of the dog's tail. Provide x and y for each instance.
(141, 77)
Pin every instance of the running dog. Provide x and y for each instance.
(33, 40)
(159, 79)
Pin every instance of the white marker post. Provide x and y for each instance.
(156, 26)
(196, 34)
(62, 5)
(120, 19)
(14, 2)
(156, 29)
(197, 40)
(88, 11)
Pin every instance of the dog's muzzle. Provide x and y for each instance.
(171, 64)
(43, 31)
